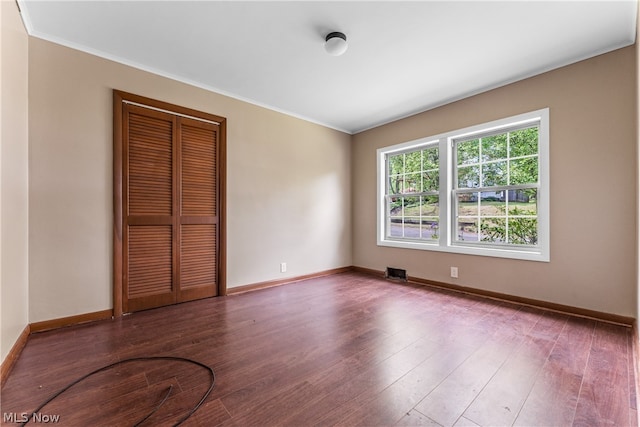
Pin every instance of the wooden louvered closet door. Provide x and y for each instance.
(197, 210)
(170, 203)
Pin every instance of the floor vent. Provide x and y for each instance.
(396, 274)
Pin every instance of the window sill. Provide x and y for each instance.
(526, 255)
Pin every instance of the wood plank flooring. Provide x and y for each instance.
(347, 349)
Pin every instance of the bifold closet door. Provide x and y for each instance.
(198, 218)
(170, 236)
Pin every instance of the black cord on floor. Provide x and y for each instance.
(156, 408)
(138, 359)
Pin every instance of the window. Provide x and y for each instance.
(414, 194)
(482, 190)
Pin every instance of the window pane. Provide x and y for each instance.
(523, 142)
(430, 220)
(492, 203)
(430, 206)
(412, 183)
(467, 230)
(430, 158)
(493, 230)
(524, 171)
(412, 227)
(494, 147)
(396, 164)
(494, 174)
(413, 162)
(430, 228)
(395, 228)
(411, 206)
(468, 152)
(523, 231)
(395, 206)
(395, 217)
(468, 177)
(430, 180)
(468, 204)
(523, 202)
(430, 169)
(395, 184)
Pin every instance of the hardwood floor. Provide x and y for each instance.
(347, 349)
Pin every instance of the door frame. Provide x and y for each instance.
(119, 98)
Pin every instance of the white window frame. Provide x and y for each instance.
(447, 194)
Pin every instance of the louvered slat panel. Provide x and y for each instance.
(198, 256)
(150, 165)
(149, 260)
(198, 171)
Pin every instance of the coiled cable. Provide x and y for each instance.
(138, 359)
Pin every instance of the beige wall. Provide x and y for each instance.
(288, 182)
(593, 188)
(14, 185)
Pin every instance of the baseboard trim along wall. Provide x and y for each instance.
(635, 345)
(63, 322)
(545, 305)
(271, 283)
(13, 355)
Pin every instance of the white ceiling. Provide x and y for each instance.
(403, 57)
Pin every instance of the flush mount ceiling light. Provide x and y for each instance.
(336, 43)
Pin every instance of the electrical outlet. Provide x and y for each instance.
(283, 267)
(454, 272)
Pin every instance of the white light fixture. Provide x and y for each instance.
(336, 43)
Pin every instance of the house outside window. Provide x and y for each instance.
(482, 190)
